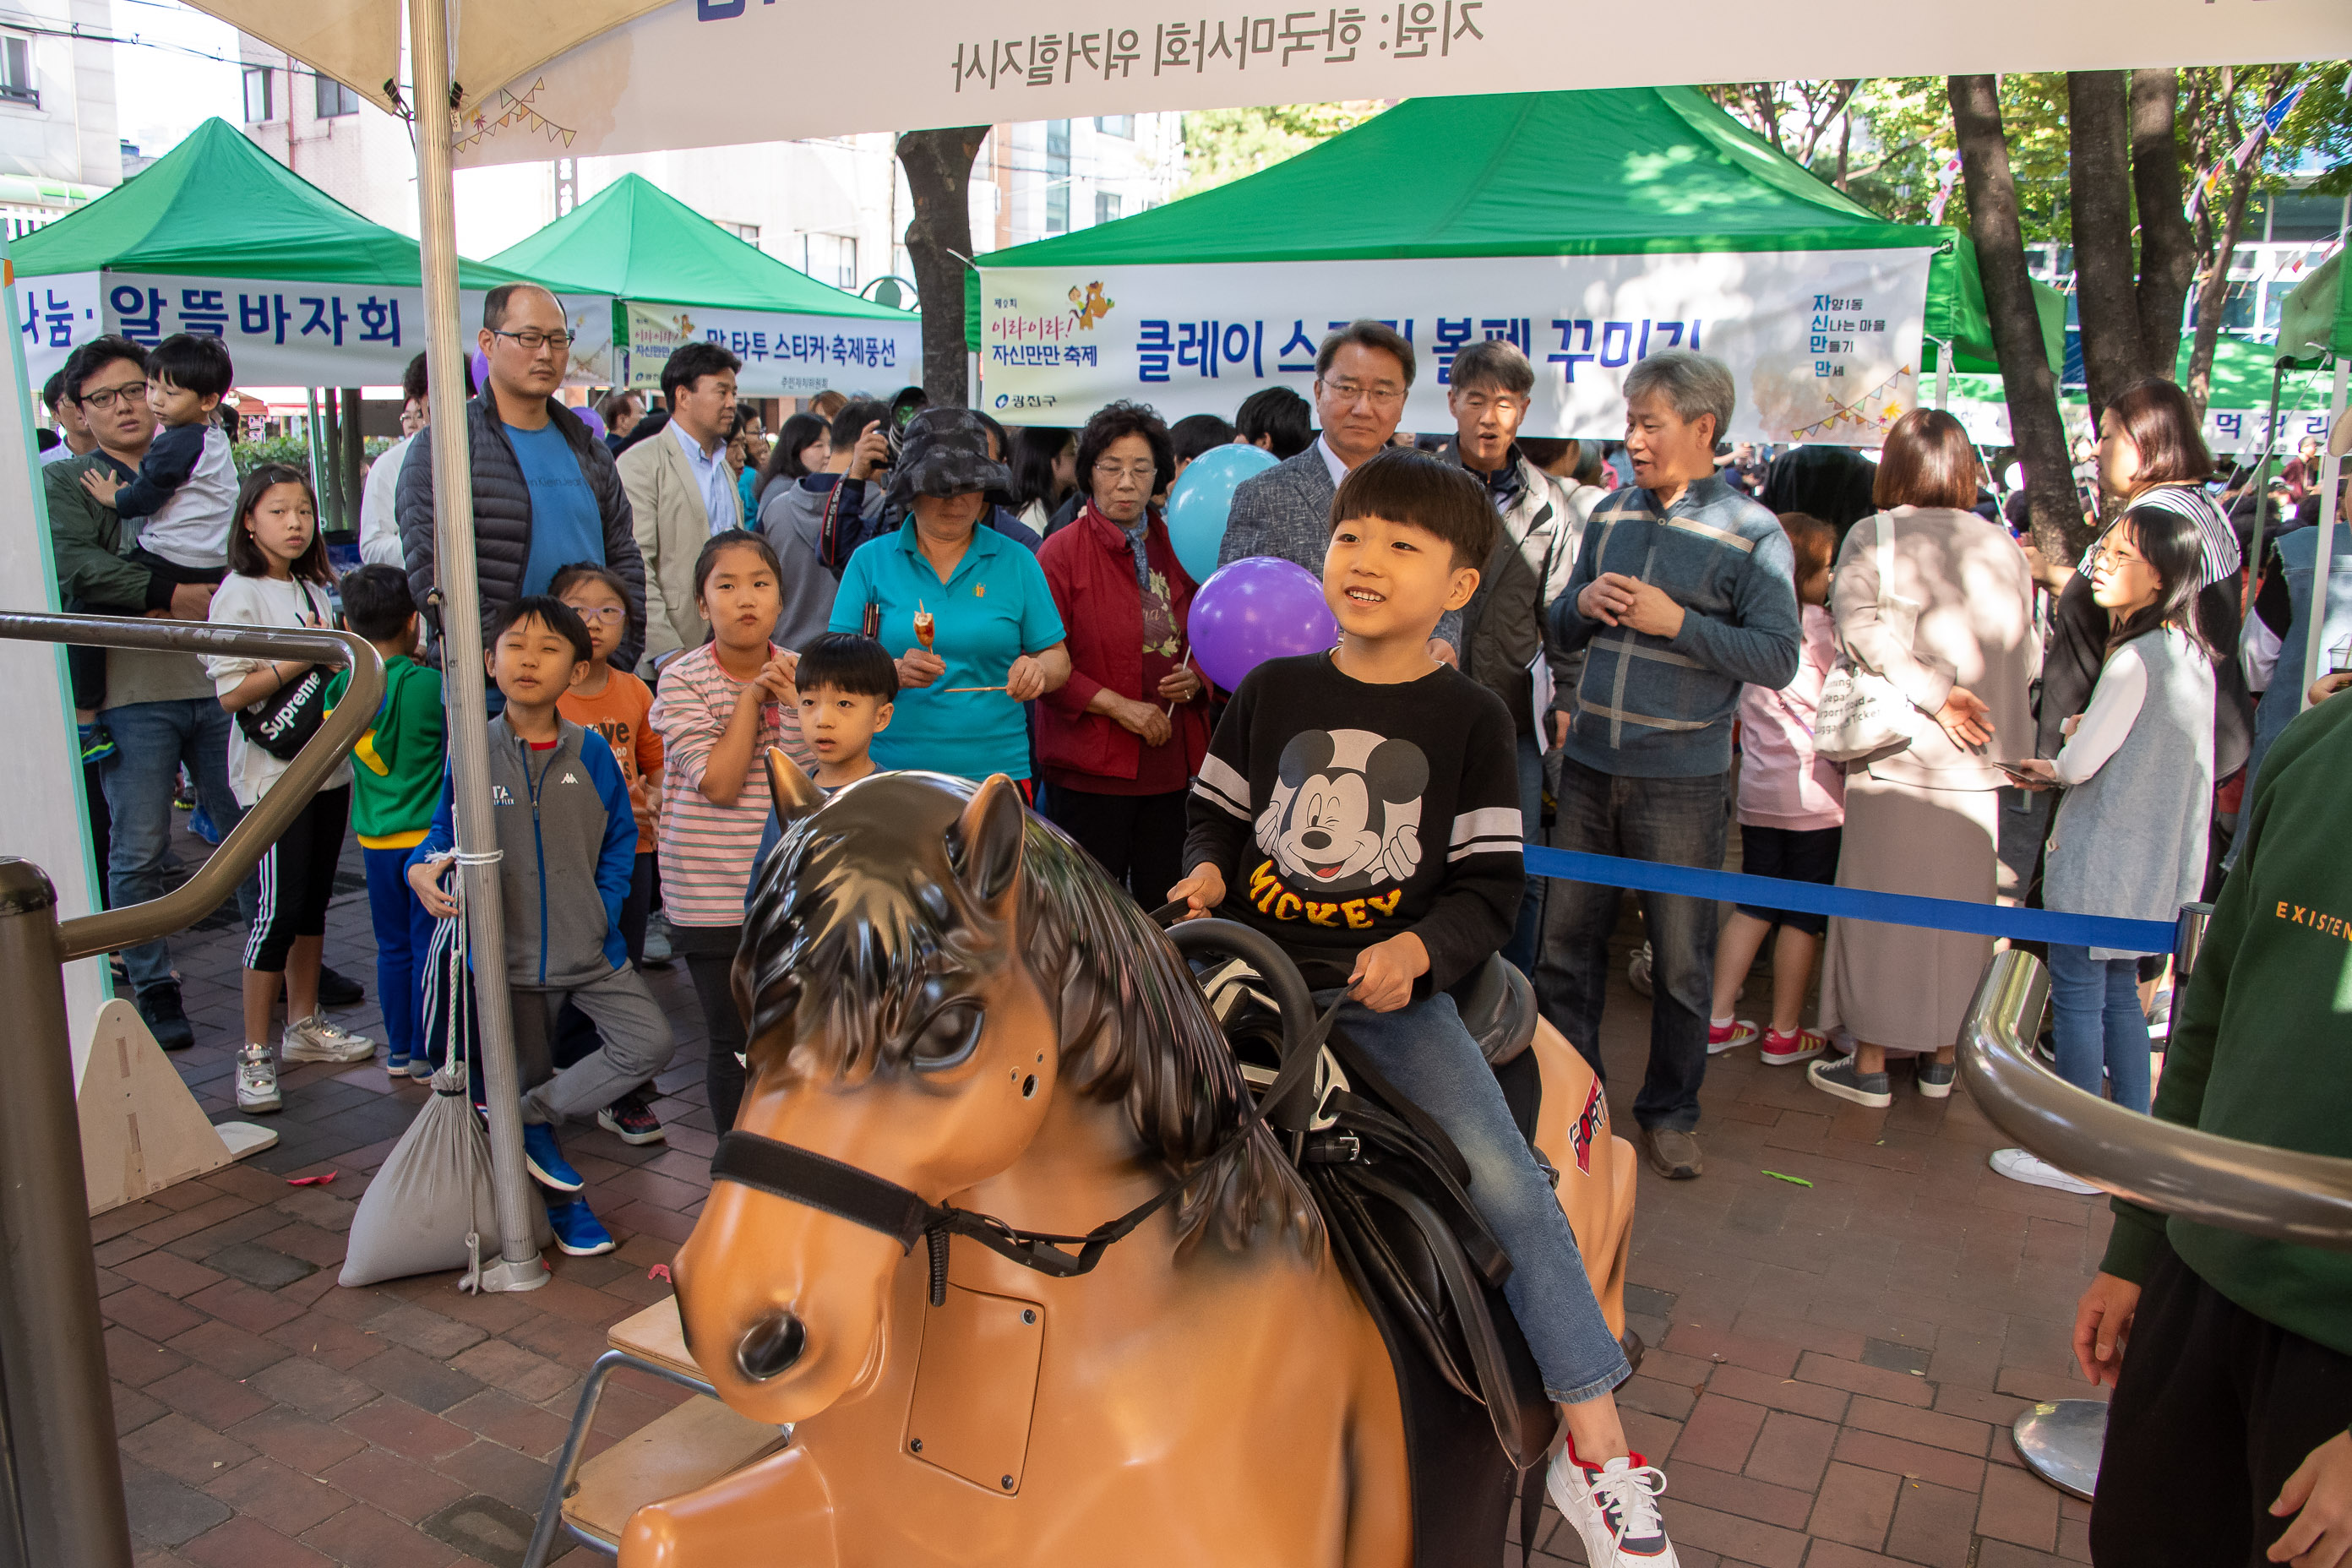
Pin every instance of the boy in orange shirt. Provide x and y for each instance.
(616, 704)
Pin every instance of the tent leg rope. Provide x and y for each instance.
(518, 1266)
(2331, 469)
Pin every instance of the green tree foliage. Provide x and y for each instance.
(1222, 146)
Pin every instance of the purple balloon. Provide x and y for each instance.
(481, 370)
(1255, 609)
(591, 418)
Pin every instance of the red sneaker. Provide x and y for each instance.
(1781, 1050)
(1722, 1037)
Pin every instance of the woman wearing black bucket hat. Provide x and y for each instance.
(966, 611)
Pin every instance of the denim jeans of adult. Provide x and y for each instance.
(1673, 822)
(2098, 1026)
(1521, 949)
(1426, 1053)
(151, 739)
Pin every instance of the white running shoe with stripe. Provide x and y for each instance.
(1614, 1508)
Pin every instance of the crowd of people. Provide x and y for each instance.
(1621, 648)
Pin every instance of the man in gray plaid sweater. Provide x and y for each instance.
(1682, 595)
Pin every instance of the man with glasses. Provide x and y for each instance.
(546, 492)
(1363, 373)
(1491, 385)
(159, 707)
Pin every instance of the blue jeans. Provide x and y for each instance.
(1673, 822)
(1521, 949)
(403, 936)
(2097, 1024)
(151, 739)
(1426, 1053)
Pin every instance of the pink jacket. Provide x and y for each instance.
(1781, 783)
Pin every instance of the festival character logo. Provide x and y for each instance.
(1591, 1123)
(1090, 306)
(1345, 816)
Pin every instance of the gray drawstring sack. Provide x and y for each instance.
(431, 1206)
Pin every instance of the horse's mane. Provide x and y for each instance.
(851, 955)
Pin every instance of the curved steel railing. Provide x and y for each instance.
(2280, 1194)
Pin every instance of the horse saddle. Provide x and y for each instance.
(1391, 1189)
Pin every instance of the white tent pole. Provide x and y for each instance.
(518, 1267)
(2331, 469)
(1943, 373)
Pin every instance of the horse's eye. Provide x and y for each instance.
(949, 1036)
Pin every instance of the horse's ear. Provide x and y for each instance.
(794, 792)
(984, 844)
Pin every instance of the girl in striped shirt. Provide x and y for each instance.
(720, 709)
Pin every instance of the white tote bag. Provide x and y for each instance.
(1862, 717)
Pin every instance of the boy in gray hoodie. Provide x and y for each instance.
(568, 842)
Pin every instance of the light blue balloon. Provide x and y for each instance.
(1203, 497)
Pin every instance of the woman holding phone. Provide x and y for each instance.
(966, 611)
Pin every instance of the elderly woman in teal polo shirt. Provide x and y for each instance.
(966, 611)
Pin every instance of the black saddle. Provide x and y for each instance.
(1391, 1188)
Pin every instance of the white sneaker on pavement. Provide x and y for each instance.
(2031, 1168)
(257, 1080)
(317, 1039)
(1614, 1508)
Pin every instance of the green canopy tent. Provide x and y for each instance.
(217, 236)
(2315, 327)
(2236, 413)
(1550, 219)
(676, 277)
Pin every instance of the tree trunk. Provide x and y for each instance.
(2059, 526)
(2168, 253)
(350, 459)
(2213, 290)
(2099, 190)
(938, 244)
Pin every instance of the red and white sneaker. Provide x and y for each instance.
(1782, 1050)
(1614, 1506)
(1722, 1037)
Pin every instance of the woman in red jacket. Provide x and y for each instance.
(1117, 745)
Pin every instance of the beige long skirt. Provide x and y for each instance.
(1905, 987)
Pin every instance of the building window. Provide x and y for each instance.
(257, 102)
(1057, 176)
(1106, 205)
(749, 233)
(334, 98)
(827, 258)
(16, 70)
(1119, 125)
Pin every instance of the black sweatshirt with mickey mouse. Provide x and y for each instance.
(1343, 813)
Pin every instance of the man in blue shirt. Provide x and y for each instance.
(546, 492)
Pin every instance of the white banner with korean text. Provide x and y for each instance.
(2234, 434)
(649, 84)
(1824, 345)
(784, 355)
(278, 334)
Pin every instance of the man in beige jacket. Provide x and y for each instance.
(682, 492)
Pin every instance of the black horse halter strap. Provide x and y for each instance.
(862, 1199)
(804, 1176)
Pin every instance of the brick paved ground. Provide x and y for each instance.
(1832, 1374)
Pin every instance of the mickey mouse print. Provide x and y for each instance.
(1344, 818)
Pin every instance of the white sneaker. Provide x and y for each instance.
(257, 1080)
(1614, 1506)
(315, 1039)
(2020, 1166)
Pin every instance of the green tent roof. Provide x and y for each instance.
(2316, 318)
(218, 206)
(633, 241)
(1598, 172)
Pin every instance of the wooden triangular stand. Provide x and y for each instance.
(141, 1131)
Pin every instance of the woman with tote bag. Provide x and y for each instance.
(1953, 634)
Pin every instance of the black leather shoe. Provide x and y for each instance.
(165, 1019)
(337, 991)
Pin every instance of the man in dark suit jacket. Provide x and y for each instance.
(1363, 373)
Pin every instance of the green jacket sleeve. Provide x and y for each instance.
(83, 536)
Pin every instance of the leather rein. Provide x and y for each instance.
(803, 1176)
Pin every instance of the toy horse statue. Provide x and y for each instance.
(954, 1015)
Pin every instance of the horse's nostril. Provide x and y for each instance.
(769, 1346)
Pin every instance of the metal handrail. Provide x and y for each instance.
(108, 931)
(2282, 1194)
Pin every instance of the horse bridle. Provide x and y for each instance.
(804, 1176)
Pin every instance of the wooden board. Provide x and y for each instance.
(687, 1446)
(656, 1336)
(141, 1131)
